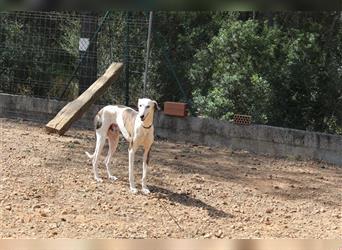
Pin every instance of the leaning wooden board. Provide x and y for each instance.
(75, 109)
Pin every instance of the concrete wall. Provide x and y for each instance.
(39, 110)
(258, 139)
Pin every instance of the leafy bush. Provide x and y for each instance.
(232, 74)
(281, 76)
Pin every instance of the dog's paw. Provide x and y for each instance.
(98, 179)
(112, 177)
(145, 190)
(134, 190)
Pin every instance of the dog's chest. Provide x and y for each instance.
(143, 135)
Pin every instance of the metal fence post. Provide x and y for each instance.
(88, 67)
(126, 57)
(147, 51)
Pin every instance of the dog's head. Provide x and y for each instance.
(145, 107)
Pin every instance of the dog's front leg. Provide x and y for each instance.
(131, 153)
(146, 160)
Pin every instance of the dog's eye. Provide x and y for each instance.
(147, 106)
(140, 105)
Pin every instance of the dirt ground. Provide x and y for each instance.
(47, 190)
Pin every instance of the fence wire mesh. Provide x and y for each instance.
(59, 54)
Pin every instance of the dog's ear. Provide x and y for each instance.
(156, 106)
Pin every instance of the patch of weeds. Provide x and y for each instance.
(186, 150)
(294, 157)
(298, 157)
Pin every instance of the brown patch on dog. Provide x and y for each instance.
(113, 131)
(113, 127)
(129, 116)
(97, 120)
(148, 156)
(98, 124)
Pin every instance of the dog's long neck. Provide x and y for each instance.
(148, 122)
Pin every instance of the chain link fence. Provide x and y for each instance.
(59, 54)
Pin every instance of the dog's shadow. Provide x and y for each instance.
(185, 199)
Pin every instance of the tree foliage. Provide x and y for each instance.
(285, 73)
(283, 68)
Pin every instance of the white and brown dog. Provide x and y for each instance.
(136, 127)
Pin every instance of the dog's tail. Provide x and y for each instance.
(89, 155)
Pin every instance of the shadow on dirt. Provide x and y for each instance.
(288, 179)
(185, 199)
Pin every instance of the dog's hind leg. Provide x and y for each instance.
(113, 140)
(100, 141)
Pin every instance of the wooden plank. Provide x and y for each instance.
(75, 109)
